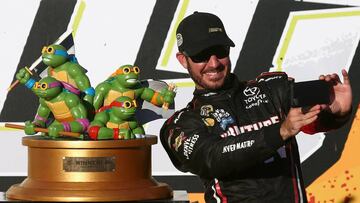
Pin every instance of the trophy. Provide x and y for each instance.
(84, 157)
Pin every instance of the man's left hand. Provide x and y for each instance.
(341, 97)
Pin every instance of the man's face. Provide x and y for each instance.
(209, 68)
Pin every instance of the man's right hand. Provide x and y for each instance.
(296, 119)
(23, 76)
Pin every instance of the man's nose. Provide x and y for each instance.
(213, 61)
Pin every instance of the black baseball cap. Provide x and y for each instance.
(200, 31)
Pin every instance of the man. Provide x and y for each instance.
(239, 137)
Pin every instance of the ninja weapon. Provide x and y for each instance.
(29, 70)
(44, 130)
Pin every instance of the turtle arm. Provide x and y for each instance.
(98, 130)
(42, 114)
(100, 92)
(82, 81)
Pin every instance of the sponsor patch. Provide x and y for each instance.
(237, 146)
(179, 141)
(225, 122)
(254, 97)
(235, 130)
(223, 118)
(179, 39)
(189, 145)
(251, 91)
(206, 110)
(219, 114)
(209, 122)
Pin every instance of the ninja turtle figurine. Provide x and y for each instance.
(116, 121)
(67, 109)
(125, 82)
(64, 68)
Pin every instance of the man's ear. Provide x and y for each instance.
(182, 59)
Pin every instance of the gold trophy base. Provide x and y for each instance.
(74, 170)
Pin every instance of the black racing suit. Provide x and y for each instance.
(231, 139)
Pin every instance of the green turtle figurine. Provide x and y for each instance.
(116, 121)
(125, 82)
(69, 113)
(65, 68)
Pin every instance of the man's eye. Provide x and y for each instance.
(200, 58)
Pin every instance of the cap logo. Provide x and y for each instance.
(215, 29)
(179, 39)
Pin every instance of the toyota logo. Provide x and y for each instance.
(251, 91)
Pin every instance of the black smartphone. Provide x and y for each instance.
(310, 93)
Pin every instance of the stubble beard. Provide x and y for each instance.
(202, 84)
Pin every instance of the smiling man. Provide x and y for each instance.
(239, 137)
(204, 50)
